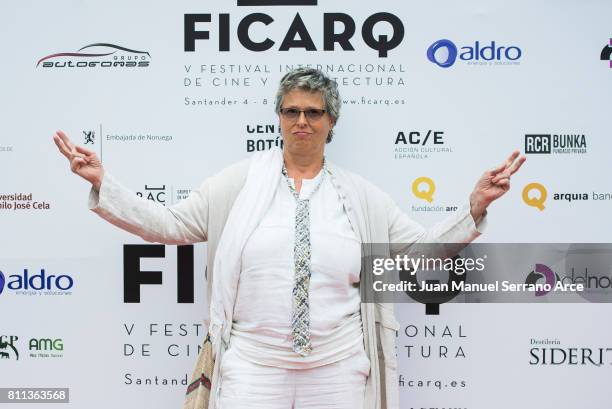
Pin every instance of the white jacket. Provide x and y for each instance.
(202, 217)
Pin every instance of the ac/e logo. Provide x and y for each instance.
(416, 138)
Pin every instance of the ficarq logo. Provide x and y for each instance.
(297, 35)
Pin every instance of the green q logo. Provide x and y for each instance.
(426, 194)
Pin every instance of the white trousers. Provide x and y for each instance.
(246, 385)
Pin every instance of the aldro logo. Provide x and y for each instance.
(444, 53)
(37, 284)
(338, 30)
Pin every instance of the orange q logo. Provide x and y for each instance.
(535, 201)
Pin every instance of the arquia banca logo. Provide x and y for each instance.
(338, 30)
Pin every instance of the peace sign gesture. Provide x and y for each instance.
(493, 184)
(83, 162)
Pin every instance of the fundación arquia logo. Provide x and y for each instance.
(428, 191)
(444, 53)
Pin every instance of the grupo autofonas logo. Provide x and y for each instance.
(555, 143)
(338, 30)
(96, 56)
(606, 53)
(445, 53)
(41, 283)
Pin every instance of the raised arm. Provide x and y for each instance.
(183, 223)
(463, 226)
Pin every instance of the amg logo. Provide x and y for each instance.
(537, 143)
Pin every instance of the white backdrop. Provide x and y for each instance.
(480, 109)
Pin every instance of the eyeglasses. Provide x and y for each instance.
(311, 114)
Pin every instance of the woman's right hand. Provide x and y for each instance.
(83, 162)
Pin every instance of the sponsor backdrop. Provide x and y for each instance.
(434, 93)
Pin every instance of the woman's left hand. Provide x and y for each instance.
(493, 184)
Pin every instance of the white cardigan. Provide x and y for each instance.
(202, 217)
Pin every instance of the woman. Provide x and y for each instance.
(285, 231)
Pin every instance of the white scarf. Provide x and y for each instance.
(248, 210)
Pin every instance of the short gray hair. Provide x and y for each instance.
(312, 80)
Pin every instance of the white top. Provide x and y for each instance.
(204, 216)
(261, 331)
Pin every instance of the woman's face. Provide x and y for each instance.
(302, 136)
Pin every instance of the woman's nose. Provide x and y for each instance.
(302, 118)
